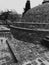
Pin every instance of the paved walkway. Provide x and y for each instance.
(5, 55)
(29, 53)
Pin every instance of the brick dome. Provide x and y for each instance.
(39, 13)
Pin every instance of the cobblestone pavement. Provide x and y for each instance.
(5, 55)
(29, 53)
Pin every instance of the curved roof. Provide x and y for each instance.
(39, 14)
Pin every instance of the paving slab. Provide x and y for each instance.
(29, 53)
(5, 54)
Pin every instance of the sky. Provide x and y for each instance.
(17, 5)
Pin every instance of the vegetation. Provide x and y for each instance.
(9, 15)
(27, 7)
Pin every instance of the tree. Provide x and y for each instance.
(45, 1)
(27, 7)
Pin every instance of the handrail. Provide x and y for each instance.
(29, 29)
(22, 23)
(29, 23)
(26, 23)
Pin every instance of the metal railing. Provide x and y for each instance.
(28, 23)
(20, 28)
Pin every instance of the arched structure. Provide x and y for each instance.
(39, 13)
